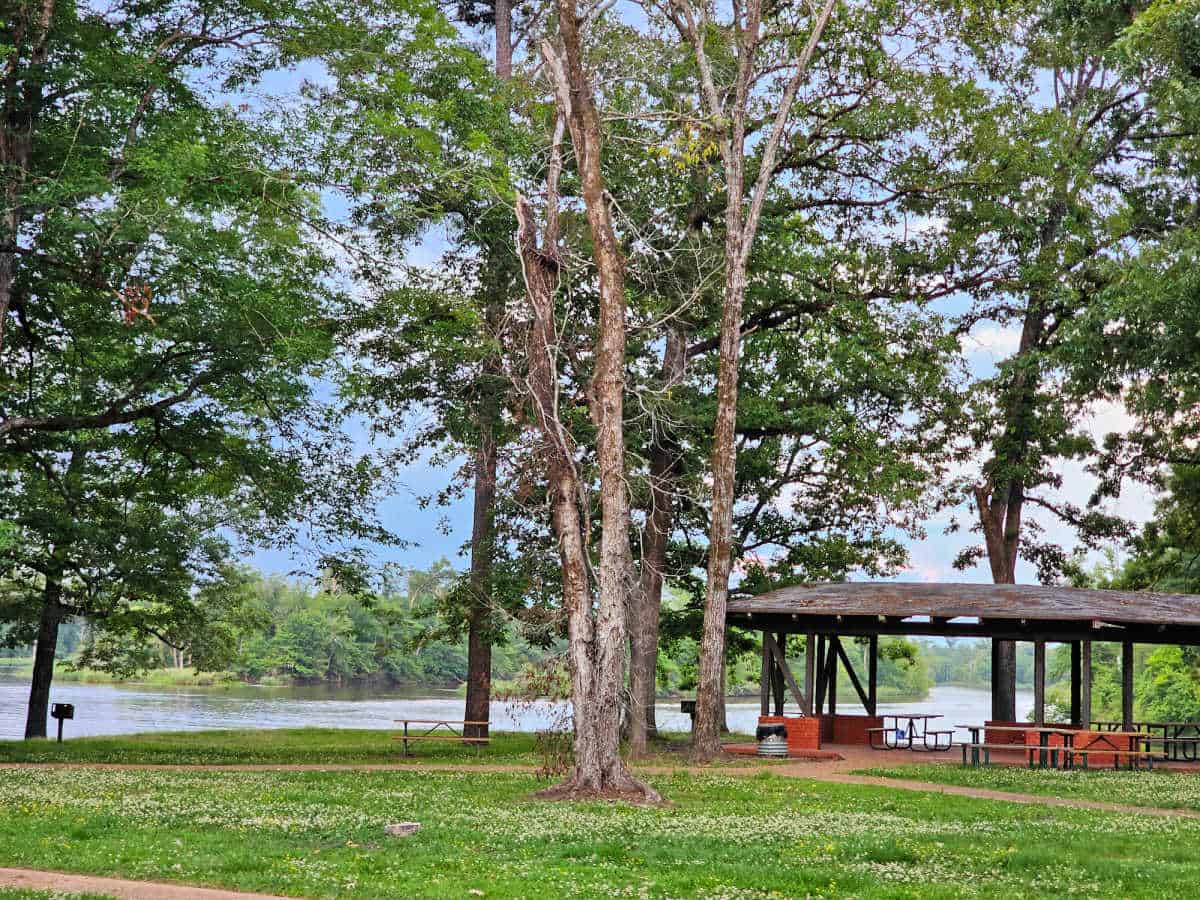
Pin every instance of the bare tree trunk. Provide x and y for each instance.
(504, 49)
(479, 637)
(1000, 506)
(598, 769)
(706, 738)
(646, 609)
(1002, 549)
(43, 659)
(722, 723)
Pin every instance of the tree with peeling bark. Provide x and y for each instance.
(596, 612)
(838, 256)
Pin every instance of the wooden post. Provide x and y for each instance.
(1039, 683)
(831, 677)
(821, 673)
(1076, 683)
(764, 689)
(863, 697)
(810, 664)
(1085, 683)
(1127, 685)
(872, 674)
(997, 700)
(784, 671)
(780, 663)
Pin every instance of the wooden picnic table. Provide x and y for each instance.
(1131, 749)
(893, 737)
(1179, 740)
(450, 730)
(1047, 754)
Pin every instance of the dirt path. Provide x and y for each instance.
(62, 882)
(988, 794)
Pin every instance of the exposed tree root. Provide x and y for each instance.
(618, 785)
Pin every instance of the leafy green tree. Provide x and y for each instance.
(430, 370)
(1071, 150)
(166, 309)
(1169, 687)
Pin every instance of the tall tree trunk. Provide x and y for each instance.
(741, 226)
(504, 49)
(596, 640)
(1000, 505)
(43, 659)
(483, 522)
(706, 737)
(645, 611)
(1000, 512)
(479, 625)
(597, 768)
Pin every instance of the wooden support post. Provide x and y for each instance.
(997, 703)
(831, 675)
(858, 688)
(781, 666)
(872, 674)
(810, 664)
(1039, 683)
(1076, 683)
(1085, 683)
(1127, 685)
(764, 689)
(821, 673)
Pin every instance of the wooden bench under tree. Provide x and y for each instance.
(443, 730)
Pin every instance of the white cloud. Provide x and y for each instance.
(994, 341)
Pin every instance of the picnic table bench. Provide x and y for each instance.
(894, 737)
(448, 730)
(1180, 740)
(1044, 753)
(1109, 743)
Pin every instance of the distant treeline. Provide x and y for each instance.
(279, 630)
(272, 629)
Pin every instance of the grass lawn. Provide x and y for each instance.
(320, 834)
(1160, 789)
(282, 745)
(296, 746)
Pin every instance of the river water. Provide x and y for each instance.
(125, 709)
